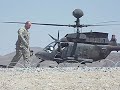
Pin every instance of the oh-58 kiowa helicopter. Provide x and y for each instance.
(81, 47)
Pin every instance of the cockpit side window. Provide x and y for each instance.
(50, 47)
(53, 46)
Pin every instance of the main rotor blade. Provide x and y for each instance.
(98, 25)
(50, 24)
(107, 22)
(41, 24)
(67, 25)
(15, 22)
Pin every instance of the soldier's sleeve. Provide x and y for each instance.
(20, 31)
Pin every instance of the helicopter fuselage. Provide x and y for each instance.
(83, 52)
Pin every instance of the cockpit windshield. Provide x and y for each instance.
(50, 47)
(53, 46)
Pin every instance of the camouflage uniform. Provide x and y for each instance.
(22, 48)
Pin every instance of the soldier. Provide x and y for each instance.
(113, 41)
(22, 46)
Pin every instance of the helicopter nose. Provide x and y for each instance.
(38, 55)
(41, 54)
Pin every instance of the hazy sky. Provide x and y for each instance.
(53, 11)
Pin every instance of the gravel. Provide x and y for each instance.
(62, 78)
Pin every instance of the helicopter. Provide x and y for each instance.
(79, 47)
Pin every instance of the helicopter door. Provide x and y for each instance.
(68, 50)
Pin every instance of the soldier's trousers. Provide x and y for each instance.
(19, 53)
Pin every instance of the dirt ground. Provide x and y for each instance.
(72, 78)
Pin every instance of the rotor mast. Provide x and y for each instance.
(78, 24)
(77, 13)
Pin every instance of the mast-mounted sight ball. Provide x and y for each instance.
(78, 13)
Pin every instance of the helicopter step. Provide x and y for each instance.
(58, 60)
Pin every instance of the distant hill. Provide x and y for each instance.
(0, 55)
(6, 59)
(35, 49)
(110, 61)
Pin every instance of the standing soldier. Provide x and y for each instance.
(22, 46)
(113, 41)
